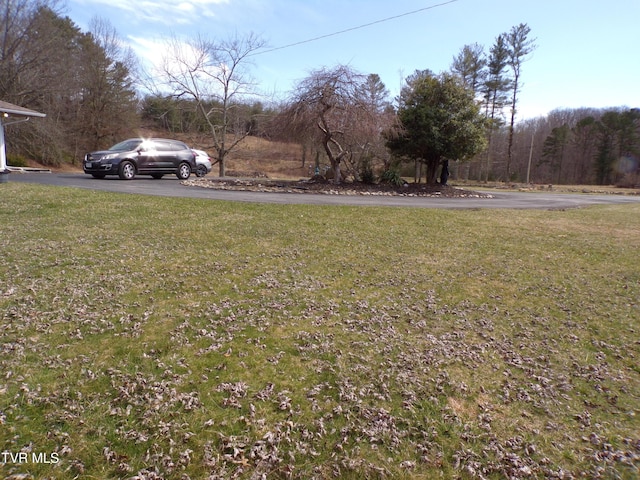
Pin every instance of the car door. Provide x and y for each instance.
(166, 160)
(146, 156)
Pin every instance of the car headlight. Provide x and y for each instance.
(110, 156)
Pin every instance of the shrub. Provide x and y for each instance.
(630, 180)
(391, 176)
(367, 174)
(16, 160)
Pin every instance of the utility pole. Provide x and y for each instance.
(530, 155)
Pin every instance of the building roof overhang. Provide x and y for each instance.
(7, 108)
(10, 110)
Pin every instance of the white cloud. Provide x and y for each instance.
(185, 7)
(149, 49)
(171, 55)
(165, 12)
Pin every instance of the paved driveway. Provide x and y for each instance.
(171, 187)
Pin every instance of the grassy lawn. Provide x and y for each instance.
(151, 338)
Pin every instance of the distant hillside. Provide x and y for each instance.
(252, 157)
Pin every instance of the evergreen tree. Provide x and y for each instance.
(495, 88)
(470, 65)
(439, 120)
(107, 104)
(605, 156)
(583, 140)
(554, 149)
(497, 83)
(618, 140)
(519, 47)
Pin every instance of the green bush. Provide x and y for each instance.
(16, 161)
(392, 176)
(367, 174)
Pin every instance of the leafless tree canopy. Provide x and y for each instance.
(345, 113)
(215, 75)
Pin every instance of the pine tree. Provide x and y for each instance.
(519, 47)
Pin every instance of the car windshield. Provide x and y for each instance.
(126, 146)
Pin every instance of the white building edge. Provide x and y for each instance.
(11, 114)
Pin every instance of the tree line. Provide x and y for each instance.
(465, 118)
(84, 82)
(568, 146)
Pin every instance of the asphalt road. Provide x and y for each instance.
(171, 187)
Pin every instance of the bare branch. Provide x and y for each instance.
(216, 76)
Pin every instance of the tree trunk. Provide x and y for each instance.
(338, 174)
(221, 163)
(432, 171)
(511, 129)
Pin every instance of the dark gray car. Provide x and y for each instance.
(142, 156)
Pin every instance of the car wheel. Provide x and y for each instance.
(98, 175)
(184, 171)
(127, 171)
(157, 176)
(201, 171)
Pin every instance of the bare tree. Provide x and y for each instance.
(215, 74)
(369, 144)
(32, 72)
(26, 44)
(80, 80)
(328, 98)
(344, 112)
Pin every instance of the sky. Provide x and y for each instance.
(587, 55)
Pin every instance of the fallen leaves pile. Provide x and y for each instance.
(150, 364)
(387, 388)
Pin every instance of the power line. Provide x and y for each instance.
(355, 28)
